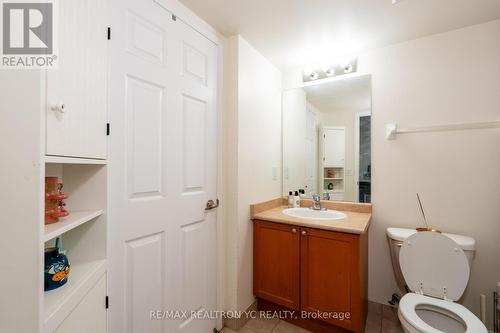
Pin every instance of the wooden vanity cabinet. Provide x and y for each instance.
(276, 263)
(332, 270)
(331, 276)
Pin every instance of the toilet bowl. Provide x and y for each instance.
(436, 271)
(419, 313)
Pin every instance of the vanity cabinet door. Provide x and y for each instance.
(276, 263)
(330, 275)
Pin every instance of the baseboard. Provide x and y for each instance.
(237, 323)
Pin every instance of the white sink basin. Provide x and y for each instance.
(310, 214)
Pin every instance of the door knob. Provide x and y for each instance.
(212, 204)
(304, 233)
(59, 107)
(294, 230)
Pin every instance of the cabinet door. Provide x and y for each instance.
(330, 278)
(90, 314)
(276, 263)
(334, 146)
(79, 83)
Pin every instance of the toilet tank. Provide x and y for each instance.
(397, 236)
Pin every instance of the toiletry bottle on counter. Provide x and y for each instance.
(302, 193)
(290, 199)
(296, 200)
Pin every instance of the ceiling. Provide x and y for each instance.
(294, 33)
(350, 94)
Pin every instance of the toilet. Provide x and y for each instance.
(435, 268)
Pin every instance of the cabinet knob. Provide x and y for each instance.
(304, 233)
(59, 107)
(294, 230)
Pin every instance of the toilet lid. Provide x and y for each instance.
(434, 265)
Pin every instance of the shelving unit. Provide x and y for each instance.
(335, 176)
(82, 234)
(79, 131)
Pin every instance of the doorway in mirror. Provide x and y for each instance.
(363, 167)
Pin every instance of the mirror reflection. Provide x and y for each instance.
(326, 140)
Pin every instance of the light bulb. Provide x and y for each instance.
(348, 68)
(313, 75)
(330, 72)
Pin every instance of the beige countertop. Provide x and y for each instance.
(356, 222)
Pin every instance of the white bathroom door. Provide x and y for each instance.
(162, 172)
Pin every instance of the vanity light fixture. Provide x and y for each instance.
(345, 66)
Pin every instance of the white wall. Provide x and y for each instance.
(229, 203)
(444, 78)
(252, 130)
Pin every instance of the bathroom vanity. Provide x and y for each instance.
(317, 268)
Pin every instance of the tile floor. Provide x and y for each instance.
(381, 319)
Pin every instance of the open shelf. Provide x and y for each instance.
(73, 160)
(60, 302)
(75, 219)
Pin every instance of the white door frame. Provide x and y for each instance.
(220, 193)
(314, 182)
(357, 116)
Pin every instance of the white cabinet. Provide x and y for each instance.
(77, 89)
(334, 146)
(90, 314)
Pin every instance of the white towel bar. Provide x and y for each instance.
(392, 129)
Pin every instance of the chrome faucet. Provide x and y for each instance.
(316, 202)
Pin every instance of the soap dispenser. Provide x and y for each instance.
(296, 200)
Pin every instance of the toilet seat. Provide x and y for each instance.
(410, 301)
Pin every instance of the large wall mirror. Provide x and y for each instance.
(326, 139)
